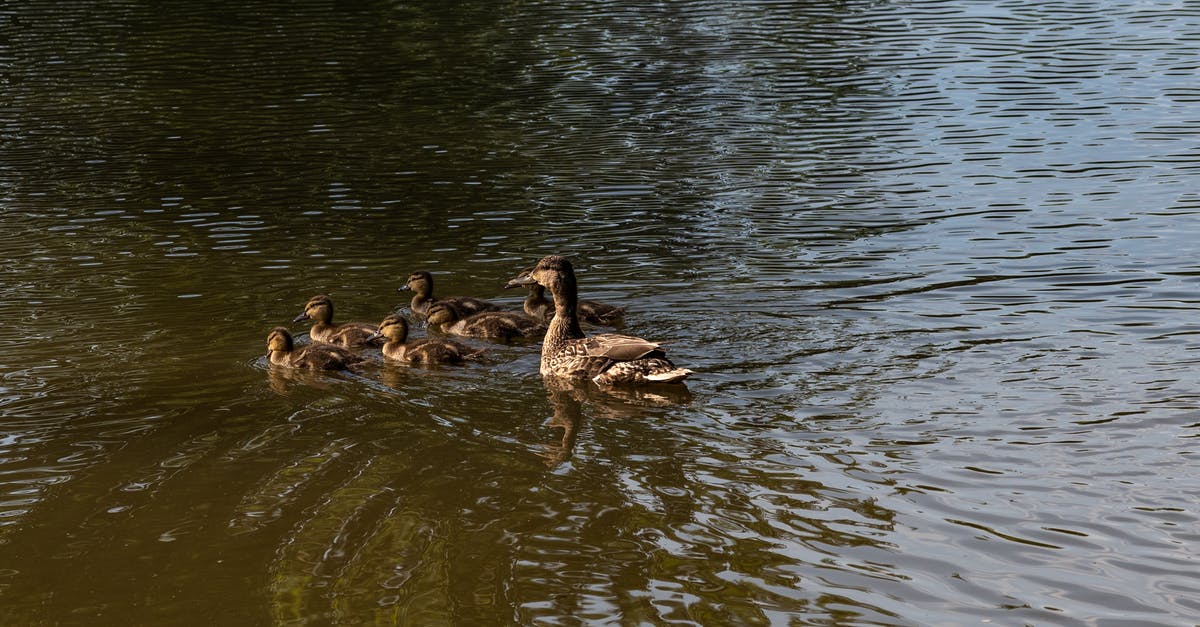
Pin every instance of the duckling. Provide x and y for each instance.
(421, 283)
(493, 325)
(319, 309)
(596, 313)
(537, 306)
(316, 356)
(606, 358)
(428, 351)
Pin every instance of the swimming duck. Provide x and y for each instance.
(319, 309)
(493, 325)
(538, 306)
(316, 356)
(606, 358)
(421, 284)
(427, 351)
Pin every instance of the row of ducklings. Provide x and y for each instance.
(331, 344)
(536, 305)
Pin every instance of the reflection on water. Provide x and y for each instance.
(929, 260)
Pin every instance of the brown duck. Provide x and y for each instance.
(281, 351)
(421, 284)
(536, 305)
(426, 351)
(319, 309)
(493, 325)
(606, 358)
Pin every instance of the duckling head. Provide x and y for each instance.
(420, 282)
(442, 313)
(393, 327)
(318, 308)
(521, 279)
(279, 340)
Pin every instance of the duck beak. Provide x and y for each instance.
(300, 318)
(404, 288)
(524, 279)
(374, 336)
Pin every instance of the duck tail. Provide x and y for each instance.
(670, 376)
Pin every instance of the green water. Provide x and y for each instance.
(932, 262)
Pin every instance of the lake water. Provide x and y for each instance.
(934, 264)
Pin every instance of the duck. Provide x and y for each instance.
(492, 325)
(394, 329)
(281, 351)
(421, 284)
(319, 309)
(608, 359)
(536, 305)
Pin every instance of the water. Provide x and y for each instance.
(933, 263)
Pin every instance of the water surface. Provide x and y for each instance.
(933, 263)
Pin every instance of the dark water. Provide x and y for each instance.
(933, 262)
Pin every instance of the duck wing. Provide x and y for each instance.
(619, 347)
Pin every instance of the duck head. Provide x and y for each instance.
(394, 328)
(442, 313)
(420, 282)
(279, 340)
(553, 272)
(318, 308)
(521, 280)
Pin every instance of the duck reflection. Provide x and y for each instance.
(283, 380)
(567, 398)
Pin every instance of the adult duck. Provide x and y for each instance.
(538, 306)
(420, 283)
(394, 328)
(606, 358)
(493, 325)
(282, 351)
(319, 309)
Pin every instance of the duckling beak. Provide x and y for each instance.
(404, 288)
(374, 336)
(301, 317)
(524, 279)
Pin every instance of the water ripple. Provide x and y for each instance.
(929, 260)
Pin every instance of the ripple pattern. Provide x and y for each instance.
(931, 260)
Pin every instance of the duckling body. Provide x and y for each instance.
(421, 284)
(593, 312)
(606, 358)
(319, 309)
(493, 325)
(537, 306)
(281, 351)
(426, 351)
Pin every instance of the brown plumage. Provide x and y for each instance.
(606, 358)
(421, 284)
(281, 351)
(426, 351)
(536, 305)
(319, 309)
(493, 325)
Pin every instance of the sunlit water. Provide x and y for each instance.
(933, 262)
